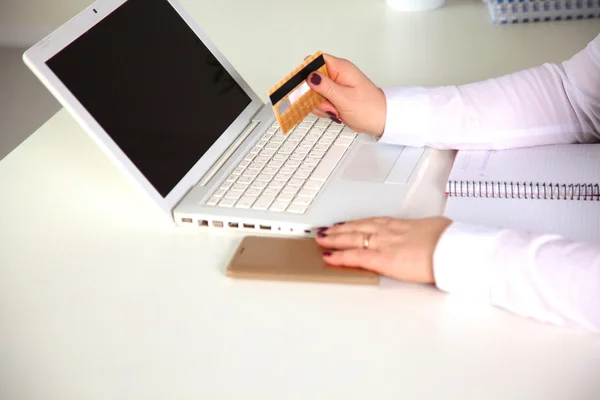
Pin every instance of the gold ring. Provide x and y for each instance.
(366, 240)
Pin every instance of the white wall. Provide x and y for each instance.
(24, 22)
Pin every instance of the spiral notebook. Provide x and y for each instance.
(523, 11)
(546, 189)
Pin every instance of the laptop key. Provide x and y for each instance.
(296, 208)
(316, 154)
(264, 178)
(279, 206)
(261, 159)
(281, 177)
(258, 185)
(245, 202)
(277, 184)
(285, 197)
(263, 202)
(220, 193)
(212, 201)
(307, 193)
(234, 194)
(254, 192)
(269, 171)
(313, 185)
(302, 174)
(296, 182)
(271, 191)
(227, 203)
(256, 165)
(226, 185)
(279, 157)
(297, 157)
(291, 189)
(304, 201)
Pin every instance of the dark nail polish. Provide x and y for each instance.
(339, 223)
(321, 234)
(315, 79)
(322, 228)
(334, 117)
(327, 253)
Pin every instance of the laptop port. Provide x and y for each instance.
(203, 222)
(186, 220)
(217, 224)
(249, 226)
(265, 227)
(234, 225)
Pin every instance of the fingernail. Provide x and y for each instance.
(321, 234)
(315, 79)
(327, 253)
(334, 117)
(339, 223)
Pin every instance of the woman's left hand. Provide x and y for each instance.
(398, 248)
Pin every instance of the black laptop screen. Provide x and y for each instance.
(153, 86)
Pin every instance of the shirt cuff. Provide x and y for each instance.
(463, 260)
(408, 116)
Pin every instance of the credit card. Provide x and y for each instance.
(291, 98)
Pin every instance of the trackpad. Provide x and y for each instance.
(372, 163)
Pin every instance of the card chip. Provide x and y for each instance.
(292, 98)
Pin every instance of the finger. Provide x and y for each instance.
(367, 225)
(359, 258)
(326, 87)
(329, 109)
(320, 113)
(349, 240)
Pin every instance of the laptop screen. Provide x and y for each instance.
(153, 86)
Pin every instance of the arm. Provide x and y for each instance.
(543, 277)
(549, 104)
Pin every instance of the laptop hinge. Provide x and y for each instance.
(228, 153)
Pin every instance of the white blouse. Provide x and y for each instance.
(544, 277)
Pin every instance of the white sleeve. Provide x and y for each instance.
(552, 103)
(543, 277)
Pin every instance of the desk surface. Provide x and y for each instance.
(101, 299)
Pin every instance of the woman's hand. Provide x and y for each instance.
(350, 97)
(398, 248)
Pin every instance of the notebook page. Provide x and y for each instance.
(576, 220)
(557, 164)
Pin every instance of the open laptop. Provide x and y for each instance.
(167, 107)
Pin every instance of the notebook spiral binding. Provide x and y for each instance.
(523, 11)
(524, 190)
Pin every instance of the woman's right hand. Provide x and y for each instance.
(350, 96)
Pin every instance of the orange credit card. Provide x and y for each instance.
(291, 98)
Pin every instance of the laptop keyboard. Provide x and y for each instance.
(284, 173)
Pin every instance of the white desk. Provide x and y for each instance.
(101, 299)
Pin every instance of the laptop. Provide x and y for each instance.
(159, 98)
